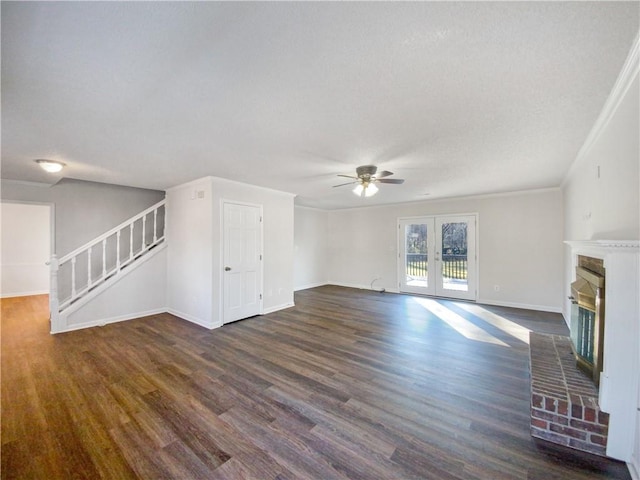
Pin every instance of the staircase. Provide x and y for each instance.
(83, 274)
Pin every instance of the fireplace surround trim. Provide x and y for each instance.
(587, 295)
(619, 382)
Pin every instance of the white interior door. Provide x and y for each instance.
(437, 256)
(242, 261)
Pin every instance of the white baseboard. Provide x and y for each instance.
(24, 294)
(350, 285)
(113, 280)
(269, 310)
(310, 285)
(361, 287)
(133, 316)
(192, 319)
(634, 470)
(525, 306)
(106, 321)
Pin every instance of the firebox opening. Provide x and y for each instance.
(587, 316)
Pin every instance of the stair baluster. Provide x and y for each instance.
(78, 291)
(89, 268)
(118, 250)
(144, 225)
(104, 259)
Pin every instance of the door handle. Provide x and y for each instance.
(226, 269)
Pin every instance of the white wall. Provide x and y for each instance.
(277, 235)
(310, 248)
(194, 213)
(601, 202)
(140, 291)
(601, 199)
(606, 207)
(519, 246)
(26, 245)
(191, 250)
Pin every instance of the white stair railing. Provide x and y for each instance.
(76, 274)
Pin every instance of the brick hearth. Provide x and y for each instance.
(564, 401)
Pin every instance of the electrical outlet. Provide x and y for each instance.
(496, 288)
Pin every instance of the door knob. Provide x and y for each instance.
(226, 269)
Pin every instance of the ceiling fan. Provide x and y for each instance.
(366, 179)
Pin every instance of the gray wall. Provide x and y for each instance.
(83, 210)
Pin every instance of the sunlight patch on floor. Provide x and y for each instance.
(460, 324)
(507, 326)
(418, 324)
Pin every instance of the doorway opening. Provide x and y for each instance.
(26, 230)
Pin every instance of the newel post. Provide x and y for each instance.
(53, 294)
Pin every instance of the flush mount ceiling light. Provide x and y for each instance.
(50, 166)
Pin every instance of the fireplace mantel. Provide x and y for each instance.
(604, 246)
(619, 381)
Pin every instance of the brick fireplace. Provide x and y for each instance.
(564, 401)
(566, 405)
(565, 371)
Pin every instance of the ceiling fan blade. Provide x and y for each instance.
(396, 181)
(348, 176)
(384, 173)
(343, 184)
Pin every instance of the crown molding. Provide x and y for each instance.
(624, 81)
(258, 187)
(461, 198)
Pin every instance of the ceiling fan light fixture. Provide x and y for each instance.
(50, 166)
(366, 180)
(365, 190)
(371, 190)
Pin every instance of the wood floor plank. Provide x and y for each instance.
(347, 384)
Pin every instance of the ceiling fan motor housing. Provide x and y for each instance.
(366, 171)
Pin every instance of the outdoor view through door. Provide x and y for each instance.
(437, 256)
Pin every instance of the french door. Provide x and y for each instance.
(242, 276)
(437, 256)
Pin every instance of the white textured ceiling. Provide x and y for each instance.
(457, 98)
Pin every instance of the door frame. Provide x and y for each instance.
(224, 201)
(52, 229)
(400, 261)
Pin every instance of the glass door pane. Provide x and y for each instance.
(416, 255)
(415, 268)
(455, 253)
(454, 256)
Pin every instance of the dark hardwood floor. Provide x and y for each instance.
(347, 384)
